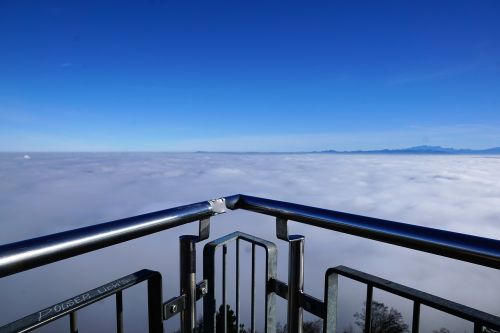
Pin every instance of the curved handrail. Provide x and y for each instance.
(23, 255)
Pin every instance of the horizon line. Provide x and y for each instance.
(330, 150)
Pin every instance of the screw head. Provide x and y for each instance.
(173, 308)
(203, 290)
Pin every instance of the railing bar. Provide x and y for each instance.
(187, 278)
(155, 320)
(209, 300)
(31, 253)
(23, 255)
(224, 290)
(237, 283)
(432, 301)
(478, 250)
(119, 312)
(368, 309)
(415, 323)
(73, 323)
(313, 305)
(253, 290)
(295, 315)
(82, 300)
(280, 288)
(270, 300)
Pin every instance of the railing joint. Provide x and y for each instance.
(218, 206)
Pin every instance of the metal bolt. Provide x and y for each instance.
(204, 290)
(173, 308)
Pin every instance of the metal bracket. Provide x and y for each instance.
(204, 229)
(282, 228)
(309, 303)
(201, 289)
(177, 304)
(174, 306)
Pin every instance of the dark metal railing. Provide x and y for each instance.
(70, 306)
(477, 250)
(210, 303)
(24, 255)
(36, 252)
(479, 318)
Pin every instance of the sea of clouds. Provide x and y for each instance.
(53, 192)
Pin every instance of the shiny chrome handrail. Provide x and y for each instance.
(27, 254)
(478, 250)
(20, 256)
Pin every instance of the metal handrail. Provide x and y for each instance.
(71, 305)
(20, 256)
(23, 255)
(474, 249)
(418, 297)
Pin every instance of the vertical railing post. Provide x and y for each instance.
(155, 318)
(119, 312)
(295, 283)
(187, 247)
(252, 287)
(224, 289)
(271, 273)
(331, 301)
(209, 310)
(415, 323)
(73, 323)
(237, 283)
(368, 308)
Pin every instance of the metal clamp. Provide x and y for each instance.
(174, 306)
(201, 289)
(177, 304)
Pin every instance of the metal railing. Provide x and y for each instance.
(70, 306)
(24, 255)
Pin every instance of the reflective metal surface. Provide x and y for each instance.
(20, 256)
(479, 318)
(210, 302)
(478, 250)
(295, 283)
(70, 306)
(187, 278)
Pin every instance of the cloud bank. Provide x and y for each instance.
(55, 192)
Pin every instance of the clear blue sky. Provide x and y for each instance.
(247, 75)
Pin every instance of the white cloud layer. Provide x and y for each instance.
(54, 192)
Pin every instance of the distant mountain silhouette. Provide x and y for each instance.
(430, 150)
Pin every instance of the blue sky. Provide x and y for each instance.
(248, 76)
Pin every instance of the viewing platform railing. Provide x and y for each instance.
(27, 254)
